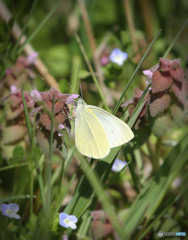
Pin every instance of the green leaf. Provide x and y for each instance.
(18, 154)
(154, 192)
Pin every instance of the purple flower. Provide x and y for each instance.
(71, 98)
(31, 59)
(8, 72)
(61, 126)
(36, 95)
(67, 220)
(104, 60)
(149, 73)
(10, 210)
(118, 165)
(117, 56)
(13, 89)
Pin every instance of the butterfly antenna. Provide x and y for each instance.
(81, 91)
(80, 83)
(72, 88)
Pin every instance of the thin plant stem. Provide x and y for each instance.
(17, 197)
(138, 108)
(146, 227)
(61, 175)
(135, 72)
(94, 49)
(49, 161)
(31, 192)
(131, 24)
(155, 160)
(106, 203)
(175, 39)
(134, 176)
(92, 72)
(41, 24)
(29, 128)
(14, 166)
(41, 183)
(24, 28)
(87, 26)
(150, 149)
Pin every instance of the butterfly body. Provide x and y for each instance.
(97, 131)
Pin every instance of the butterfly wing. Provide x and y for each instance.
(90, 136)
(117, 131)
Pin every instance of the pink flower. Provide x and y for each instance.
(71, 98)
(149, 73)
(36, 95)
(13, 89)
(61, 126)
(31, 59)
(8, 71)
(104, 60)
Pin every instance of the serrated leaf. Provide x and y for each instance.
(18, 153)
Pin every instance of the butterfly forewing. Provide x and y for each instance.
(90, 136)
(117, 131)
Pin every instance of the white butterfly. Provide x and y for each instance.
(97, 131)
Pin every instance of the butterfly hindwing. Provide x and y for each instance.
(117, 131)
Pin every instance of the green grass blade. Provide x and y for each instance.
(135, 72)
(16, 197)
(52, 129)
(49, 161)
(41, 24)
(14, 166)
(152, 195)
(138, 108)
(170, 202)
(14, 50)
(175, 39)
(74, 80)
(29, 128)
(92, 72)
(64, 193)
(99, 190)
(41, 182)
(83, 229)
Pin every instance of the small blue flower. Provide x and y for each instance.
(67, 220)
(117, 56)
(10, 210)
(118, 165)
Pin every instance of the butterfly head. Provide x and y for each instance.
(81, 102)
(80, 106)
